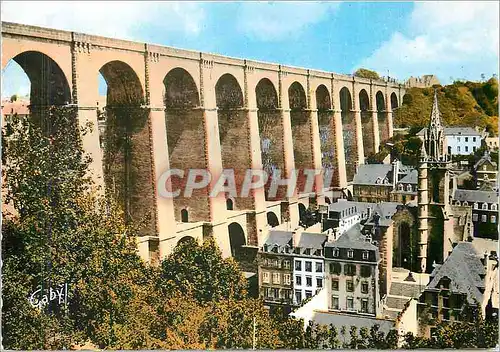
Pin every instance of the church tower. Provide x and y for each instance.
(434, 211)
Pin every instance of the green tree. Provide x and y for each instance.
(365, 73)
(59, 232)
(202, 271)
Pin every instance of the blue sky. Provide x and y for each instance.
(400, 39)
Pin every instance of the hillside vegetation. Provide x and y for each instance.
(461, 104)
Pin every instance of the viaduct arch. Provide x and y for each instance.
(182, 109)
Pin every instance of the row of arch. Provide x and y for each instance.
(127, 133)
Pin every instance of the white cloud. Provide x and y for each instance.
(270, 21)
(107, 18)
(449, 39)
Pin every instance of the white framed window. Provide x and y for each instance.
(483, 218)
(474, 217)
(298, 265)
(365, 255)
(309, 294)
(466, 139)
(319, 267)
(485, 206)
(319, 282)
(493, 219)
(458, 149)
(286, 264)
(308, 266)
(335, 302)
(298, 280)
(364, 306)
(309, 281)
(493, 206)
(265, 277)
(287, 279)
(350, 253)
(476, 206)
(276, 278)
(298, 296)
(350, 303)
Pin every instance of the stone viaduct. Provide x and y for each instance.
(185, 109)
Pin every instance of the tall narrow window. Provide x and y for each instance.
(184, 215)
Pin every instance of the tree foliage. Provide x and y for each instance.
(365, 73)
(461, 104)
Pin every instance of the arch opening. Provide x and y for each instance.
(185, 139)
(326, 126)
(301, 133)
(366, 123)
(47, 92)
(127, 168)
(237, 240)
(186, 239)
(349, 133)
(402, 256)
(383, 126)
(272, 219)
(270, 132)
(233, 133)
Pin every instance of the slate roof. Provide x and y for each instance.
(475, 196)
(369, 173)
(411, 177)
(406, 289)
(385, 210)
(348, 320)
(312, 240)
(451, 131)
(396, 302)
(463, 267)
(345, 204)
(485, 158)
(352, 238)
(280, 238)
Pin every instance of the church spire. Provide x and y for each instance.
(435, 114)
(434, 138)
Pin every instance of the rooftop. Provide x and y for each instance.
(371, 174)
(470, 195)
(464, 269)
(312, 240)
(455, 131)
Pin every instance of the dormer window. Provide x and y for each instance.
(493, 206)
(476, 206)
(307, 251)
(400, 187)
(350, 253)
(365, 255)
(335, 252)
(485, 206)
(266, 248)
(408, 188)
